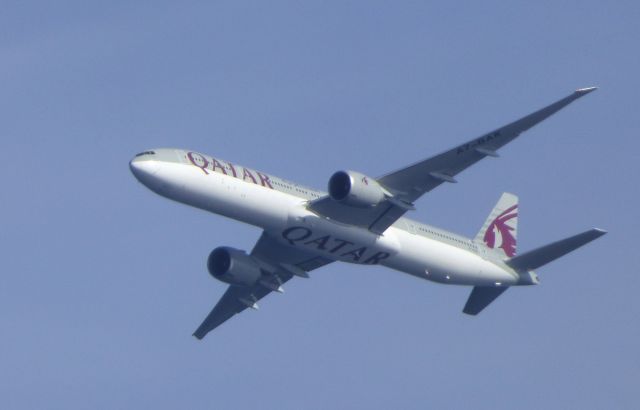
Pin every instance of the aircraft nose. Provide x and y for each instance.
(144, 169)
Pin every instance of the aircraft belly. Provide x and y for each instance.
(333, 240)
(440, 262)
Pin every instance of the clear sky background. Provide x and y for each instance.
(103, 282)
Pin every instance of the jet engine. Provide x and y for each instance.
(355, 189)
(233, 266)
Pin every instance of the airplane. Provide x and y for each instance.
(359, 220)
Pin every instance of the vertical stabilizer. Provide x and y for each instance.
(500, 230)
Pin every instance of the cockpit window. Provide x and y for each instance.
(145, 153)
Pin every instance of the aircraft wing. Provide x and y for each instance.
(408, 184)
(280, 263)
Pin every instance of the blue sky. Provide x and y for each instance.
(103, 282)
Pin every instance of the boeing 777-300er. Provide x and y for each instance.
(360, 220)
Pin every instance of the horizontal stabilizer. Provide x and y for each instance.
(480, 298)
(543, 255)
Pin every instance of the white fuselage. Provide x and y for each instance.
(279, 207)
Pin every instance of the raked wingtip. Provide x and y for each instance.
(586, 90)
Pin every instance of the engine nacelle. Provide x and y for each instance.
(233, 266)
(355, 189)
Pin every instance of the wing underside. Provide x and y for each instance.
(281, 264)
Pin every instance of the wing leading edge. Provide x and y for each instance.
(281, 263)
(410, 183)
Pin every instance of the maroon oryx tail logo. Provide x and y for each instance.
(499, 226)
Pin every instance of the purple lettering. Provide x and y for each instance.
(289, 232)
(199, 161)
(264, 180)
(341, 244)
(377, 257)
(320, 242)
(247, 174)
(356, 254)
(215, 164)
(233, 169)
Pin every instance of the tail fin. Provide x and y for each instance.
(500, 230)
(543, 255)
